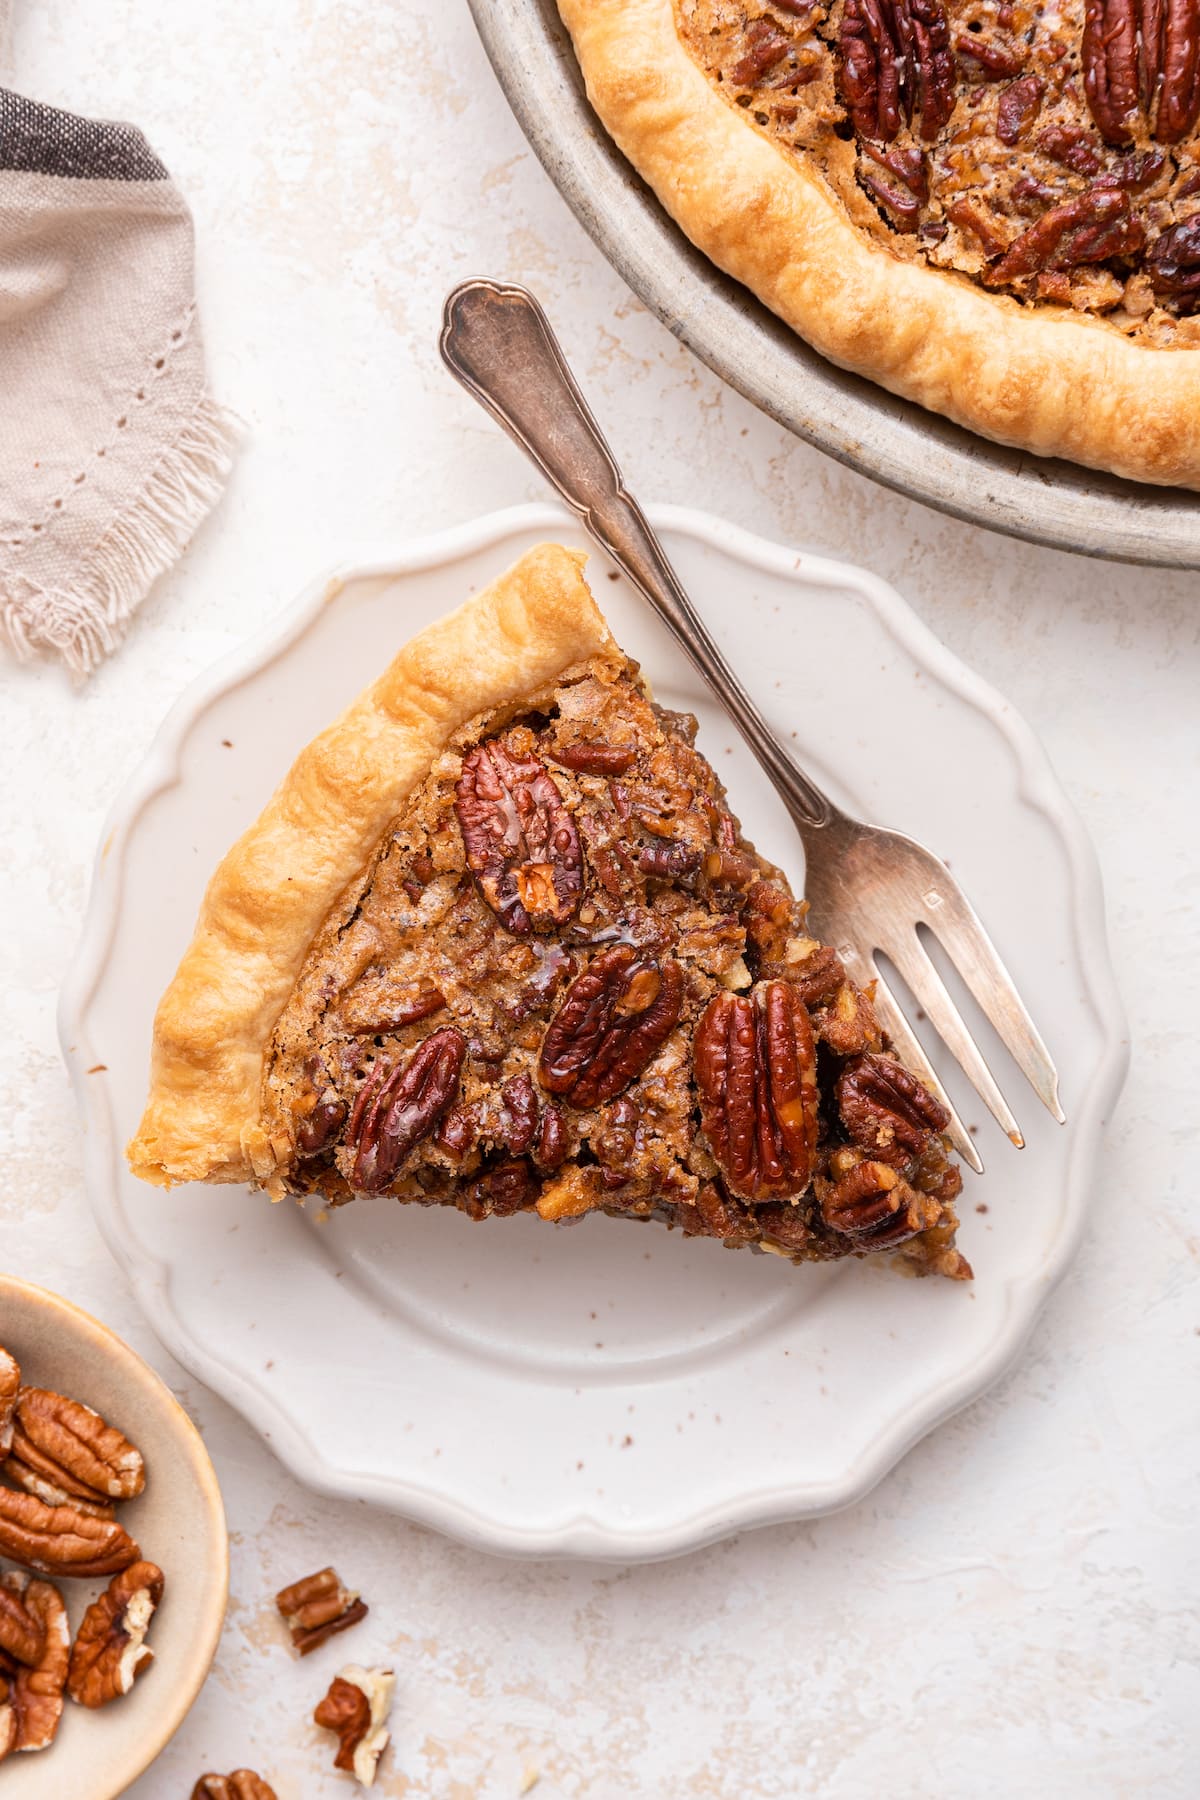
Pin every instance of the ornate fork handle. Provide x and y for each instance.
(498, 342)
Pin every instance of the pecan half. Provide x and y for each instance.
(372, 1014)
(22, 1634)
(401, 1104)
(896, 63)
(35, 1692)
(317, 1608)
(354, 1709)
(1089, 228)
(887, 1111)
(10, 1387)
(1141, 59)
(61, 1540)
(756, 1074)
(613, 1020)
(1173, 263)
(111, 1649)
(75, 1452)
(1018, 107)
(873, 1203)
(521, 842)
(243, 1784)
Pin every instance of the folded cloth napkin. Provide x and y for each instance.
(111, 449)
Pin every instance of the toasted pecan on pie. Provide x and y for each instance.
(512, 953)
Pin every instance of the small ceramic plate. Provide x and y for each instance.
(608, 1389)
(179, 1523)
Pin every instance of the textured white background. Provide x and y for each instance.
(1014, 1610)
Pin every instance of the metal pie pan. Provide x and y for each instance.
(889, 439)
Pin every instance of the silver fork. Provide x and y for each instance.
(870, 889)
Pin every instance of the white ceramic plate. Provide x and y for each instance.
(605, 1389)
(178, 1522)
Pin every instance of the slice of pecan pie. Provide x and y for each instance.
(990, 206)
(498, 943)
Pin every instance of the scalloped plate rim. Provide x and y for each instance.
(580, 1533)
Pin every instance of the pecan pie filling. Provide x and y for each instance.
(567, 983)
(1045, 149)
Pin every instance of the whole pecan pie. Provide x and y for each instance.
(498, 943)
(989, 206)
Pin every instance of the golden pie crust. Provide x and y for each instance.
(273, 891)
(1038, 376)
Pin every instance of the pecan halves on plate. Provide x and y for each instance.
(35, 1691)
(243, 1784)
(74, 1452)
(111, 1649)
(521, 843)
(613, 1021)
(354, 1709)
(896, 64)
(62, 1540)
(318, 1607)
(887, 1111)
(397, 1106)
(756, 1072)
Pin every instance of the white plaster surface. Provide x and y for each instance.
(1013, 1612)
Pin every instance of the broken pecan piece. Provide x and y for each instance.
(613, 1021)
(518, 1114)
(896, 63)
(1089, 228)
(317, 1608)
(997, 62)
(756, 1073)
(355, 1709)
(398, 1105)
(596, 759)
(887, 1111)
(35, 1692)
(873, 1203)
(1173, 263)
(61, 1540)
(243, 1784)
(1018, 107)
(521, 843)
(10, 1387)
(110, 1649)
(75, 1452)
(1068, 145)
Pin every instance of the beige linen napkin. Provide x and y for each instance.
(111, 449)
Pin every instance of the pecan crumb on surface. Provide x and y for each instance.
(317, 1607)
(355, 1710)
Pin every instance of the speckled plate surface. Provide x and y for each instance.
(892, 440)
(179, 1523)
(606, 1389)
